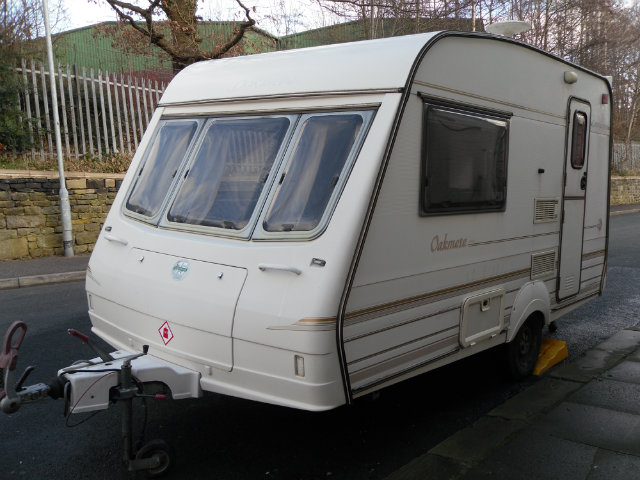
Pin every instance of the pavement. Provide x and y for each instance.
(42, 271)
(580, 420)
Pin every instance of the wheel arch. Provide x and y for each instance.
(532, 298)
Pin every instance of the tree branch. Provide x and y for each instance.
(239, 34)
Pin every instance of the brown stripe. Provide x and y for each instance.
(450, 340)
(322, 320)
(501, 240)
(401, 324)
(425, 298)
(597, 253)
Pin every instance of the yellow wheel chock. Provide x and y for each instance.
(552, 352)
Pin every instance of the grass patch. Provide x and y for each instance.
(117, 163)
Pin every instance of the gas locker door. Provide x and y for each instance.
(573, 199)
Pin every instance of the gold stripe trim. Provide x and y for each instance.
(401, 324)
(425, 296)
(597, 253)
(525, 237)
(308, 325)
(451, 339)
(590, 279)
(322, 320)
(303, 328)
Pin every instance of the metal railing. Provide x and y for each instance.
(101, 113)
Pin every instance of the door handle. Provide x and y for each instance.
(113, 238)
(583, 181)
(284, 268)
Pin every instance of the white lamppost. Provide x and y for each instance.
(65, 207)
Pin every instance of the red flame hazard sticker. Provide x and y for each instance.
(166, 333)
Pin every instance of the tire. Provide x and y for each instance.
(162, 450)
(522, 352)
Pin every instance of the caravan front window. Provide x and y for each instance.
(231, 167)
(464, 166)
(267, 176)
(165, 154)
(314, 168)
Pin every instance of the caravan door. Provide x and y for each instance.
(573, 198)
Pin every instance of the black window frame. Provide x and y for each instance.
(425, 210)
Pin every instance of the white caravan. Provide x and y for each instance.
(307, 226)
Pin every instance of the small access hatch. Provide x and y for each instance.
(482, 317)
(196, 298)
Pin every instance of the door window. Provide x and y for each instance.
(578, 139)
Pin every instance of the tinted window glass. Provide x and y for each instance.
(160, 167)
(316, 163)
(578, 139)
(465, 166)
(229, 172)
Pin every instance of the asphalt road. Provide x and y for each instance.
(227, 438)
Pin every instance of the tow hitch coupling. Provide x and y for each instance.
(153, 457)
(13, 394)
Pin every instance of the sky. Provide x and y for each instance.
(81, 13)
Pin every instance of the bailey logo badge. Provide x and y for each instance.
(165, 333)
(180, 269)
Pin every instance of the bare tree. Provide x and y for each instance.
(21, 24)
(172, 25)
(286, 17)
(409, 16)
(601, 35)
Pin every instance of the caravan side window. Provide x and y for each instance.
(464, 165)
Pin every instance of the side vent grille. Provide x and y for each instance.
(543, 265)
(546, 210)
(570, 283)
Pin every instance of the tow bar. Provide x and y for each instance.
(154, 457)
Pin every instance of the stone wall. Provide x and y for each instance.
(30, 212)
(625, 190)
(30, 224)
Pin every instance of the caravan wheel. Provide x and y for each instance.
(522, 352)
